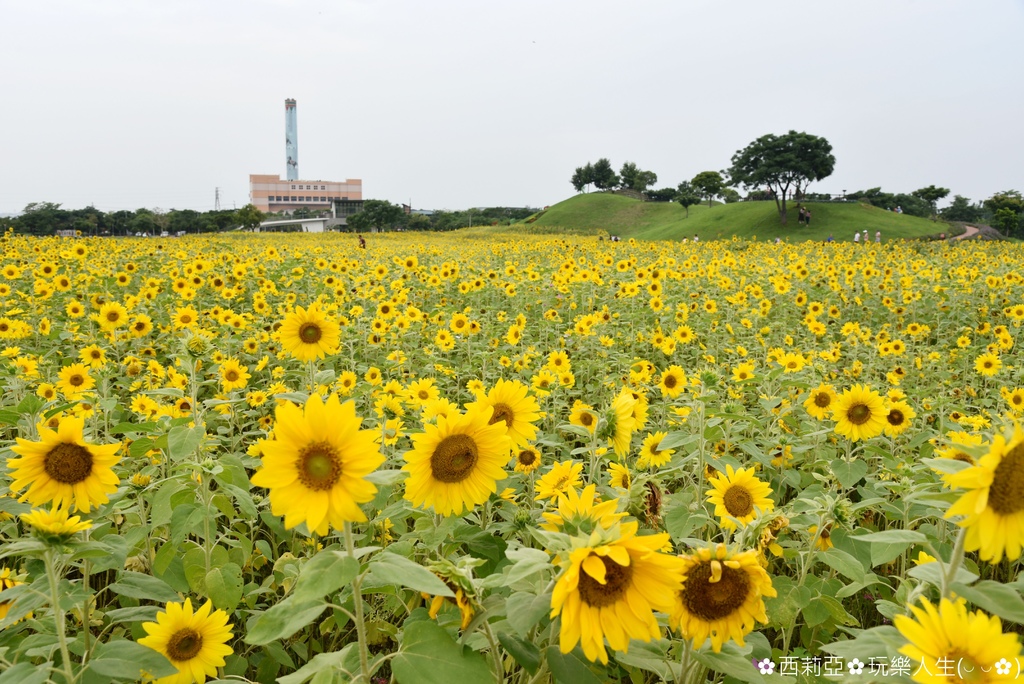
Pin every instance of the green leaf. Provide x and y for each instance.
(325, 573)
(344, 661)
(653, 657)
(136, 585)
(571, 667)
(127, 659)
(133, 614)
(932, 573)
(25, 673)
(995, 597)
(525, 610)
(389, 568)
(430, 656)
(791, 599)
(224, 586)
(849, 473)
(385, 478)
(183, 441)
(843, 563)
(282, 620)
(525, 652)
(730, 662)
(893, 537)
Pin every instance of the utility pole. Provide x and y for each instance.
(216, 199)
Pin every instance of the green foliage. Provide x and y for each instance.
(931, 195)
(633, 178)
(604, 177)
(687, 196)
(377, 215)
(661, 195)
(730, 195)
(708, 184)
(1006, 220)
(909, 204)
(782, 163)
(582, 177)
(961, 209)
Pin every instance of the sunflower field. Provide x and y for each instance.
(282, 458)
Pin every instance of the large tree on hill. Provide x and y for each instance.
(782, 163)
(931, 195)
(634, 178)
(708, 184)
(582, 177)
(604, 177)
(687, 196)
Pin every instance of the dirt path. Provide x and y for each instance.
(970, 232)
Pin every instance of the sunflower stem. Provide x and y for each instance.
(357, 600)
(499, 670)
(58, 615)
(955, 561)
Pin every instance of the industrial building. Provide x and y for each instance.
(270, 193)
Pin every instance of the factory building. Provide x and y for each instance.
(271, 193)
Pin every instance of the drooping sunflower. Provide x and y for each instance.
(820, 402)
(456, 464)
(560, 479)
(948, 633)
(619, 422)
(62, 468)
(581, 513)
(194, 642)
(859, 413)
(513, 407)
(619, 476)
(308, 334)
(316, 465)
(898, 418)
(610, 592)
(993, 508)
(722, 596)
(651, 456)
(739, 494)
(75, 380)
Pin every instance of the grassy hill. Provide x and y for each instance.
(627, 218)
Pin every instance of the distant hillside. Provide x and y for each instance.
(627, 217)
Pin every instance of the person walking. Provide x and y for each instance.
(807, 218)
(856, 238)
(878, 236)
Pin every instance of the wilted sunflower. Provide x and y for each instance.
(513, 407)
(308, 334)
(738, 494)
(820, 402)
(859, 413)
(973, 642)
(62, 468)
(610, 592)
(722, 596)
(456, 464)
(194, 642)
(993, 508)
(315, 467)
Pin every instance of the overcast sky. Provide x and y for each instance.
(452, 104)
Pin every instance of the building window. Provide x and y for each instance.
(293, 187)
(293, 198)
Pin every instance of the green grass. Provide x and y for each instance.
(667, 220)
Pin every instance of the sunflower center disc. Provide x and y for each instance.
(859, 414)
(231, 376)
(319, 466)
(714, 600)
(895, 417)
(113, 316)
(527, 457)
(670, 381)
(454, 458)
(1006, 494)
(822, 400)
(502, 412)
(68, 463)
(738, 502)
(587, 419)
(310, 333)
(616, 582)
(76, 380)
(184, 645)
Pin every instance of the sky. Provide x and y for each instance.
(451, 104)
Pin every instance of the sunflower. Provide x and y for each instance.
(619, 422)
(309, 334)
(738, 494)
(75, 380)
(947, 640)
(55, 523)
(672, 382)
(93, 355)
(315, 467)
(527, 460)
(957, 442)
(610, 592)
(233, 375)
(722, 595)
(560, 479)
(859, 413)
(112, 316)
(898, 418)
(456, 464)
(988, 364)
(194, 642)
(651, 456)
(1015, 398)
(819, 403)
(993, 508)
(583, 415)
(582, 513)
(618, 476)
(514, 407)
(8, 580)
(63, 468)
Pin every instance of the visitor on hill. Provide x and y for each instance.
(695, 238)
(807, 218)
(866, 241)
(830, 238)
(800, 216)
(878, 236)
(362, 242)
(856, 238)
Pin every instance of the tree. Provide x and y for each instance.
(961, 209)
(931, 195)
(781, 163)
(729, 196)
(687, 196)
(708, 184)
(1008, 199)
(1005, 220)
(662, 195)
(583, 177)
(249, 217)
(631, 177)
(378, 215)
(43, 218)
(419, 222)
(604, 177)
